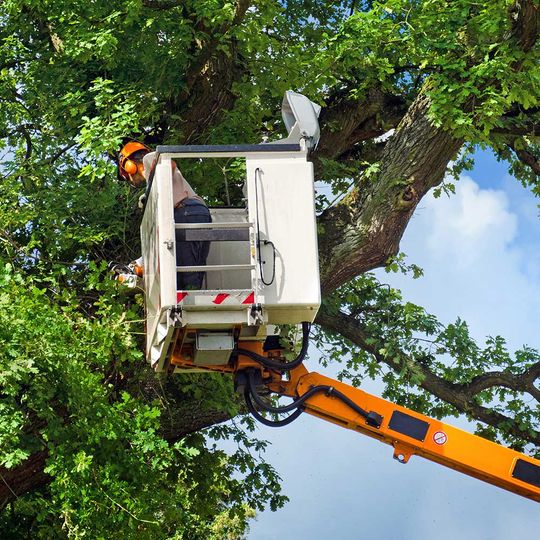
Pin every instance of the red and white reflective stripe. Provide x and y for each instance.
(220, 298)
(180, 295)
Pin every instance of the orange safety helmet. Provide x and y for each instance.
(127, 167)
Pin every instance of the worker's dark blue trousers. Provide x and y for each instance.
(190, 253)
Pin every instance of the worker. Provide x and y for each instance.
(136, 162)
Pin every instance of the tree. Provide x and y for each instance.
(90, 440)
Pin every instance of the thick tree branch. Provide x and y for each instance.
(346, 122)
(460, 396)
(208, 49)
(26, 477)
(365, 228)
(526, 157)
(529, 129)
(525, 26)
(520, 122)
(208, 80)
(523, 382)
(182, 414)
(210, 96)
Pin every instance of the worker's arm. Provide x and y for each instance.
(407, 431)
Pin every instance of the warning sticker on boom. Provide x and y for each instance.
(440, 438)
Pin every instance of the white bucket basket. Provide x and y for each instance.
(263, 262)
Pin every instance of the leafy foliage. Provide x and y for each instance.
(75, 78)
(402, 344)
(108, 463)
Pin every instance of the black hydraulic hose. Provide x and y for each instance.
(372, 418)
(252, 387)
(272, 423)
(282, 366)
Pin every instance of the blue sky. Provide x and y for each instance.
(480, 253)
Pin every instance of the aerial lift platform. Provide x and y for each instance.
(262, 268)
(262, 271)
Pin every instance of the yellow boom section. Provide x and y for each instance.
(412, 433)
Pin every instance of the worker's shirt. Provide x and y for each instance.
(181, 188)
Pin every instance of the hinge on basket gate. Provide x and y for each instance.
(255, 315)
(174, 317)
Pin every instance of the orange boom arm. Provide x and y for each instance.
(409, 432)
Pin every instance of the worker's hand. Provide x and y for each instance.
(136, 267)
(142, 201)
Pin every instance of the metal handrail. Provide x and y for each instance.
(220, 225)
(215, 268)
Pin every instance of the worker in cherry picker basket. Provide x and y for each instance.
(135, 163)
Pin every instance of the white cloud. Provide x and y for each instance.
(476, 255)
(470, 224)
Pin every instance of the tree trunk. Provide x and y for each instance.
(26, 477)
(364, 229)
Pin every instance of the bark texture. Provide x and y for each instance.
(364, 229)
(26, 477)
